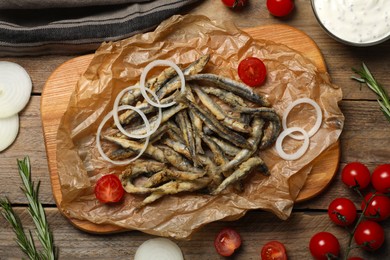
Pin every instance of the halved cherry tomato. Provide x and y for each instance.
(342, 211)
(369, 235)
(356, 175)
(109, 189)
(227, 241)
(273, 250)
(378, 208)
(324, 245)
(280, 7)
(234, 3)
(380, 178)
(252, 71)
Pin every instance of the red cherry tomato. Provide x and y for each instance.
(342, 211)
(381, 178)
(252, 71)
(273, 250)
(355, 258)
(378, 207)
(280, 7)
(370, 235)
(109, 189)
(234, 3)
(356, 175)
(227, 241)
(324, 244)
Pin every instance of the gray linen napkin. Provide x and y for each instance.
(76, 27)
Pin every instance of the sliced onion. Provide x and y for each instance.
(9, 128)
(317, 124)
(158, 248)
(149, 131)
(145, 73)
(15, 88)
(301, 151)
(104, 121)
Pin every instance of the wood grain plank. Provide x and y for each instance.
(256, 228)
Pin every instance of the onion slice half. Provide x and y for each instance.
(15, 88)
(115, 111)
(104, 121)
(317, 124)
(301, 151)
(9, 128)
(158, 248)
(156, 63)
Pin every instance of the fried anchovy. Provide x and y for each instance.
(228, 84)
(219, 113)
(168, 174)
(243, 170)
(174, 187)
(187, 132)
(130, 145)
(166, 115)
(274, 126)
(130, 97)
(215, 125)
(178, 161)
(218, 154)
(197, 126)
(244, 154)
(178, 146)
(142, 166)
(174, 84)
(227, 147)
(226, 96)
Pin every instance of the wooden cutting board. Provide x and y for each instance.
(62, 82)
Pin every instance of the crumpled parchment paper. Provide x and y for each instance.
(183, 39)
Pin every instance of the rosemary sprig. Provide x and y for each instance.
(38, 215)
(367, 78)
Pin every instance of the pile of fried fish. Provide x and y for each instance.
(209, 140)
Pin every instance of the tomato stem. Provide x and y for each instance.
(361, 217)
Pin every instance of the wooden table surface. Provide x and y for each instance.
(365, 138)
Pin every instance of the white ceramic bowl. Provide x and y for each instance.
(354, 23)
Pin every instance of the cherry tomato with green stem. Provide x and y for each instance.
(273, 250)
(252, 71)
(234, 3)
(369, 235)
(109, 189)
(356, 175)
(342, 211)
(380, 178)
(227, 241)
(324, 245)
(280, 8)
(378, 208)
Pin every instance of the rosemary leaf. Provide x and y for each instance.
(383, 97)
(36, 211)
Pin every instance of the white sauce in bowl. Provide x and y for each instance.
(355, 21)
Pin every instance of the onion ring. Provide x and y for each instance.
(116, 117)
(15, 88)
(9, 129)
(104, 121)
(300, 151)
(317, 124)
(158, 248)
(145, 73)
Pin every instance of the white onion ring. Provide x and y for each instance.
(317, 124)
(145, 73)
(15, 88)
(104, 121)
(116, 117)
(301, 151)
(158, 248)
(9, 128)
